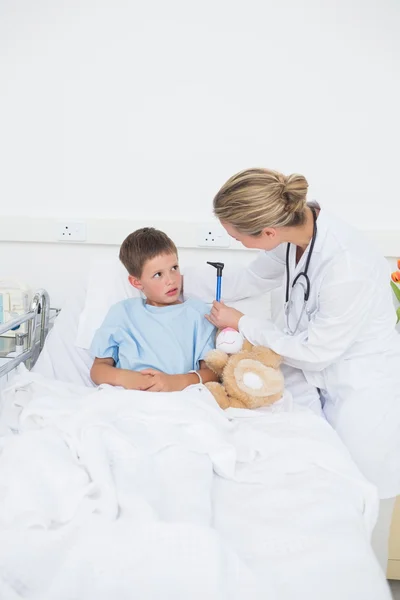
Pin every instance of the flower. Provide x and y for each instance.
(396, 290)
(396, 276)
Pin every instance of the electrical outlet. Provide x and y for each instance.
(71, 231)
(213, 236)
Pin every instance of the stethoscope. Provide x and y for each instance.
(301, 278)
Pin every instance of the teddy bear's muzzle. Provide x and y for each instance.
(258, 380)
(252, 381)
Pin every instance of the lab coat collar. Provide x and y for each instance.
(322, 230)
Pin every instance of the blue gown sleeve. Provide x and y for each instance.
(104, 344)
(205, 340)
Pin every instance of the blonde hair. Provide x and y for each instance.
(258, 198)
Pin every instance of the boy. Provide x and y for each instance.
(157, 344)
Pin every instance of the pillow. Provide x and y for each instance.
(60, 359)
(107, 284)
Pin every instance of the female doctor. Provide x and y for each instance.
(339, 320)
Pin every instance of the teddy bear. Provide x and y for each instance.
(250, 375)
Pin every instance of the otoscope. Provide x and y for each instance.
(219, 266)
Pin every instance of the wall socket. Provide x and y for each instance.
(71, 231)
(212, 236)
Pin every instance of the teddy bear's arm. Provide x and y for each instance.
(236, 403)
(216, 361)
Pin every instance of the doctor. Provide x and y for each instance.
(338, 321)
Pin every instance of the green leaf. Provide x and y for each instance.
(396, 290)
(398, 314)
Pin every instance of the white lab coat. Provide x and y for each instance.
(349, 349)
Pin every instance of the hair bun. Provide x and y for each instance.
(294, 192)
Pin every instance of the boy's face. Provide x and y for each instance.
(160, 281)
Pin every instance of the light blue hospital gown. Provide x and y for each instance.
(172, 339)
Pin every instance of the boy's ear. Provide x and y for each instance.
(135, 282)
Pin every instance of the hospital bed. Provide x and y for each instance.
(286, 514)
(24, 346)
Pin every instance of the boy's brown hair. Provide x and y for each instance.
(143, 245)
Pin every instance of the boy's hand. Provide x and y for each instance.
(137, 381)
(104, 371)
(223, 316)
(161, 382)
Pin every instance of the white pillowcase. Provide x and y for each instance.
(108, 284)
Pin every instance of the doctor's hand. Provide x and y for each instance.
(223, 316)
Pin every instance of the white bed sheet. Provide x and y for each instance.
(113, 493)
(259, 535)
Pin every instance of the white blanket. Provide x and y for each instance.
(111, 493)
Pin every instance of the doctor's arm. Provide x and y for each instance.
(265, 273)
(345, 298)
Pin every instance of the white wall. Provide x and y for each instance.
(126, 108)
(141, 110)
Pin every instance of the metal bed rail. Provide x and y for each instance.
(28, 345)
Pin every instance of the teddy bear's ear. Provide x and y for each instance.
(267, 356)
